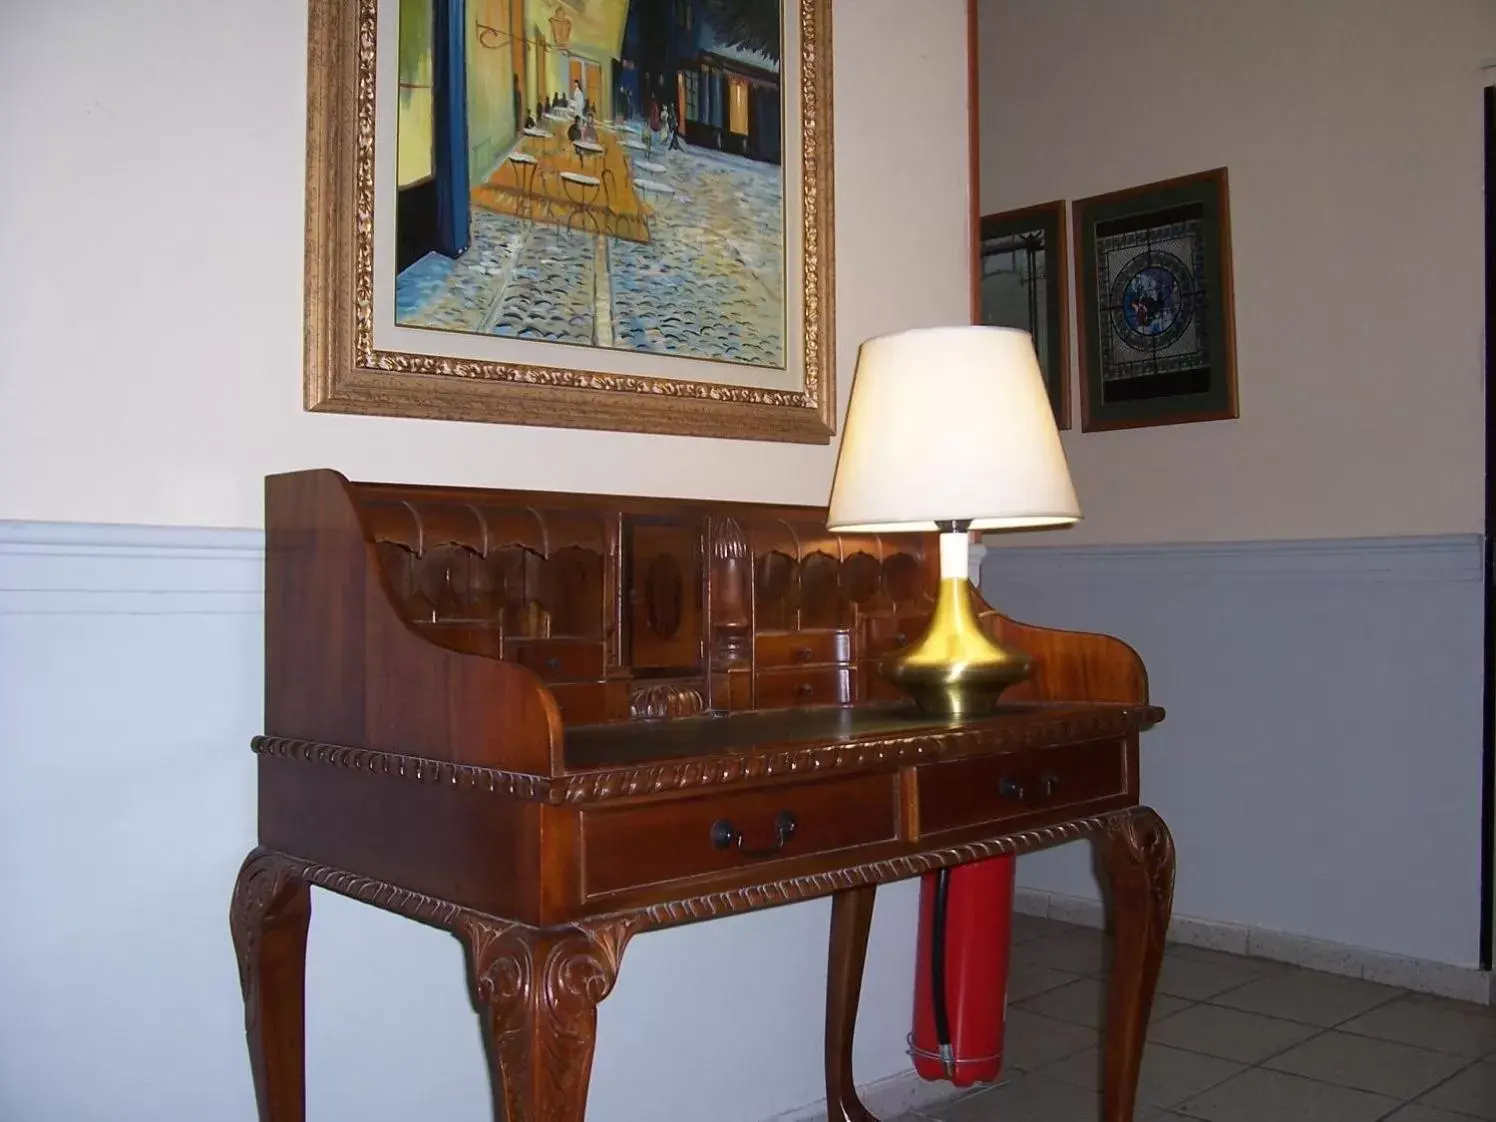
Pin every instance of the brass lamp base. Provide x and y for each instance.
(955, 670)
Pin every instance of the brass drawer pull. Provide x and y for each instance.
(727, 836)
(553, 663)
(1010, 788)
(804, 689)
(803, 654)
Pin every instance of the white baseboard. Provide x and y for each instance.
(1439, 978)
(893, 1097)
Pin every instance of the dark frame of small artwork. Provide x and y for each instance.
(1156, 327)
(1045, 226)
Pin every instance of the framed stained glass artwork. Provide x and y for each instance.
(1156, 331)
(1024, 283)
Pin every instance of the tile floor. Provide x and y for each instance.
(1232, 1039)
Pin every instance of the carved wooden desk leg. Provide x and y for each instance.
(851, 917)
(537, 993)
(269, 916)
(1139, 857)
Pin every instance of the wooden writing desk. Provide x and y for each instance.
(548, 723)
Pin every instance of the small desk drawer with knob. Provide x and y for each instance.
(774, 650)
(882, 635)
(824, 685)
(962, 793)
(633, 847)
(559, 660)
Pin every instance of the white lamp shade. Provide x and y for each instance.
(950, 424)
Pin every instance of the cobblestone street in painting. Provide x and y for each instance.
(708, 283)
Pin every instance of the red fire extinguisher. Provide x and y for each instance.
(961, 971)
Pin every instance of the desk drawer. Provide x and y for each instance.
(783, 689)
(591, 703)
(560, 660)
(802, 648)
(1016, 784)
(883, 635)
(873, 684)
(632, 847)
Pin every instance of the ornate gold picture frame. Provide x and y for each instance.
(565, 213)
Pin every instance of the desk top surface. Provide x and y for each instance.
(717, 733)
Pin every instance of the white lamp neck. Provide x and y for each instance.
(955, 556)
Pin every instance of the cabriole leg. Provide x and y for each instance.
(537, 992)
(851, 918)
(271, 909)
(1138, 854)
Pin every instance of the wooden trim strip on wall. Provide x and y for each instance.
(974, 141)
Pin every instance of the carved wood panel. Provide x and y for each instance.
(666, 582)
(667, 595)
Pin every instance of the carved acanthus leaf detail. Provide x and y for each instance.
(538, 992)
(269, 891)
(1145, 844)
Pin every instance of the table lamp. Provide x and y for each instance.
(951, 429)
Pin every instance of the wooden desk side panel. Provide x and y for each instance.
(1070, 665)
(342, 666)
(457, 843)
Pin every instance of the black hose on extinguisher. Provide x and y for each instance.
(937, 973)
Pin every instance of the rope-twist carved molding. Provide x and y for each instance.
(614, 783)
(1138, 829)
(402, 901)
(519, 785)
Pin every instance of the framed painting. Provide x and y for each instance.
(1024, 282)
(605, 214)
(1156, 328)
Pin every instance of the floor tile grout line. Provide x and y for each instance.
(1484, 1057)
(1218, 1083)
(1399, 1101)
(1253, 1063)
(1430, 1090)
(1262, 970)
(1397, 996)
(1402, 1100)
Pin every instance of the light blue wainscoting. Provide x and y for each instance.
(130, 685)
(1321, 761)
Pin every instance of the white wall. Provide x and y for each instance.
(150, 372)
(1352, 131)
(150, 300)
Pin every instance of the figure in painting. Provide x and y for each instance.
(639, 207)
